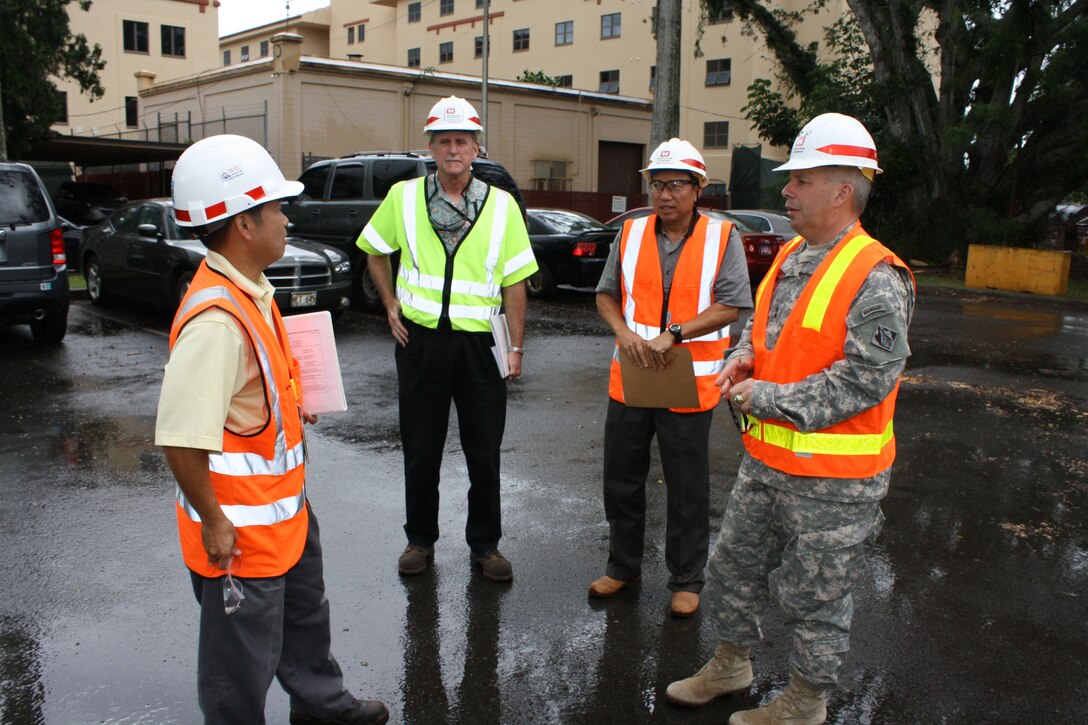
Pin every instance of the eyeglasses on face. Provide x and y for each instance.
(673, 185)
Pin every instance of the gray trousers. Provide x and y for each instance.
(809, 553)
(683, 440)
(280, 630)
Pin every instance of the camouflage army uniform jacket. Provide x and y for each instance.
(875, 356)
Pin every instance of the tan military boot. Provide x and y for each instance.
(799, 704)
(727, 673)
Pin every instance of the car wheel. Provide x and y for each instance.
(185, 278)
(541, 283)
(50, 329)
(96, 288)
(368, 291)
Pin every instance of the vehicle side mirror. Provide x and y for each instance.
(147, 230)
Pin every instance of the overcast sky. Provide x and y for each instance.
(237, 15)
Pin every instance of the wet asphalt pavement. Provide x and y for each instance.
(974, 610)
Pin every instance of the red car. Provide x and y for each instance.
(759, 248)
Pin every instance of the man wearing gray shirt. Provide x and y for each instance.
(673, 278)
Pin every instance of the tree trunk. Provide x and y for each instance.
(666, 117)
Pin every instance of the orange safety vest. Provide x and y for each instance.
(811, 340)
(259, 478)
(692, 291)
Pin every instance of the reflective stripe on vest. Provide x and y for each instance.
(479, 298)
(240, 515)
(828, 444)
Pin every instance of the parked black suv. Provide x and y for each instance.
(340, 195)
(33, 271)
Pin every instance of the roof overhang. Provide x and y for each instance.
(100, 151)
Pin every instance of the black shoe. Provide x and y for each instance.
(361, 712)
(495, 566)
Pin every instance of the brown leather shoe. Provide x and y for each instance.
(606, 587)
(684, 604)
(415, 559)
(495, 566)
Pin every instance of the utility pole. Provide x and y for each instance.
(483, 76)
(666, 116)
(3, 131)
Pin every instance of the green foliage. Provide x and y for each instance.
(538, 77)
(976, 107)
(37, 47)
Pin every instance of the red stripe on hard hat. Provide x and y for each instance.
(837, 149)
(432, 119)
(215, 210)
(182, 216)
(256, 194)
(694, 162)
(475, 120)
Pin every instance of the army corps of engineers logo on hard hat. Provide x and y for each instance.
(453, 113)
(799, 144)
(665, 153)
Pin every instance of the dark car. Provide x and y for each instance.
(73, 242)
(340, 195)
(760, 248)
(33, 265)
(140, 254)
(87, 202)
(570, 248)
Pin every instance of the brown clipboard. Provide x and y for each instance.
(673, 387)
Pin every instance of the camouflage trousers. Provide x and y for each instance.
(809, 553)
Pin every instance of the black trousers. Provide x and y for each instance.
(437, 367)
(280, 630)
(683, 440)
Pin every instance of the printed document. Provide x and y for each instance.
(501, 332)
(314, 346)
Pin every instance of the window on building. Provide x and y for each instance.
(226, 57)
(564, 81)
(243, 54)
(62, 106)
(550, 175)
(722, 13)
(716, 134)
(479, 43)
(264, 48)
(445, 7)
(653, 22)
(718, 71)
(360, 32)
(564, 32)
(445, 52)
(521, 39)
(653, 78)
(414, 12)
(479, 4)
(351, 35)
(135, 36)
(413, 57)
(610, 25)
(610, 81)
(132, 112)
(173, 41)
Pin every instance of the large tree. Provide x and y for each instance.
(977, 107)
(37, 46)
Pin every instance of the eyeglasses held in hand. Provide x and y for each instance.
(673, 185)
(232, 589)
(743, 424)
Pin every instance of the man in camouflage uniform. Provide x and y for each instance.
(806, 503)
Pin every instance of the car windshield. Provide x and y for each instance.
(569, 222)
(21, 202)
(173, 230)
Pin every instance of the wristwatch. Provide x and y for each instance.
(674, 328)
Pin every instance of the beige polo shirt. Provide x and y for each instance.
(213, 379)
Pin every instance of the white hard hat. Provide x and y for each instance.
(677, 155)
(453, 114)
(220, 176)
(832, 139)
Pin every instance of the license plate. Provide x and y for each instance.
(765, 251)
(303, 299)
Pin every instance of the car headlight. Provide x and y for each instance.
(342, 268)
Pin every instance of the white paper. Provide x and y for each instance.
(314, 346)
(501, 333)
